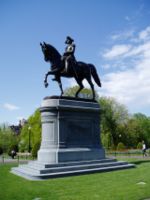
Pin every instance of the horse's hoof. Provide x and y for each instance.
(46, 85)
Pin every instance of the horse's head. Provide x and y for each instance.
(45, 51)
(51, 54)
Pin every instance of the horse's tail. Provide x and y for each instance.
(95, 75)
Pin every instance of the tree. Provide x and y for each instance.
(143, 127)
(135, 130)
(31, 132)
(113, 114)
(8, 140)
(85, 93)
(131, 129)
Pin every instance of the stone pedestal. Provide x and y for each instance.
(70, 142)
(70, 131)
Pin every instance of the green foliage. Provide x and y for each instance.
(31, 132)
(85, 93)
(71, 91)
(120, 146)
(143, 127)
(35, 149)
(123, 128)
(113, 115)
(106, 140)
(137, 129)
(139, 146)
(8, 140)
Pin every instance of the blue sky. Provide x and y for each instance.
(114, 35)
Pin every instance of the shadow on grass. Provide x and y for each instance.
(138, 162)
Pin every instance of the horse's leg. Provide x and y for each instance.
(92, 86)
(45, 80)
(60, 84)
(80, 87)
(46, 75)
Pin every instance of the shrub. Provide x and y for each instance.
(139, 146)
(120, 146)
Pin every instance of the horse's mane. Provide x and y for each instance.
(54, 50)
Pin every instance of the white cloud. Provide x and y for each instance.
(10, 107)
(130, 86)
(139, 50)
(145, 34)
(123, 34)
(117, 50)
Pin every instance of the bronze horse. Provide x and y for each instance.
(78, 70)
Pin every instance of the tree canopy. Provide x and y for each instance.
(33, 127)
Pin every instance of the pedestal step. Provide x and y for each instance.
(38, 171)
(61, 164)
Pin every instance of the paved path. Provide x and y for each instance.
(10, 160)
(136, 157)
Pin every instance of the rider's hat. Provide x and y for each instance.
(69, 40)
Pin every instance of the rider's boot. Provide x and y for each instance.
(66, 65)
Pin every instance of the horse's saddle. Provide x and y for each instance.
(68, 66)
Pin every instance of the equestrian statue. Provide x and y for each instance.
(67, 66)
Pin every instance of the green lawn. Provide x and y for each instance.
(117, 185)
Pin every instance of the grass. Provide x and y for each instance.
(117, 185)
